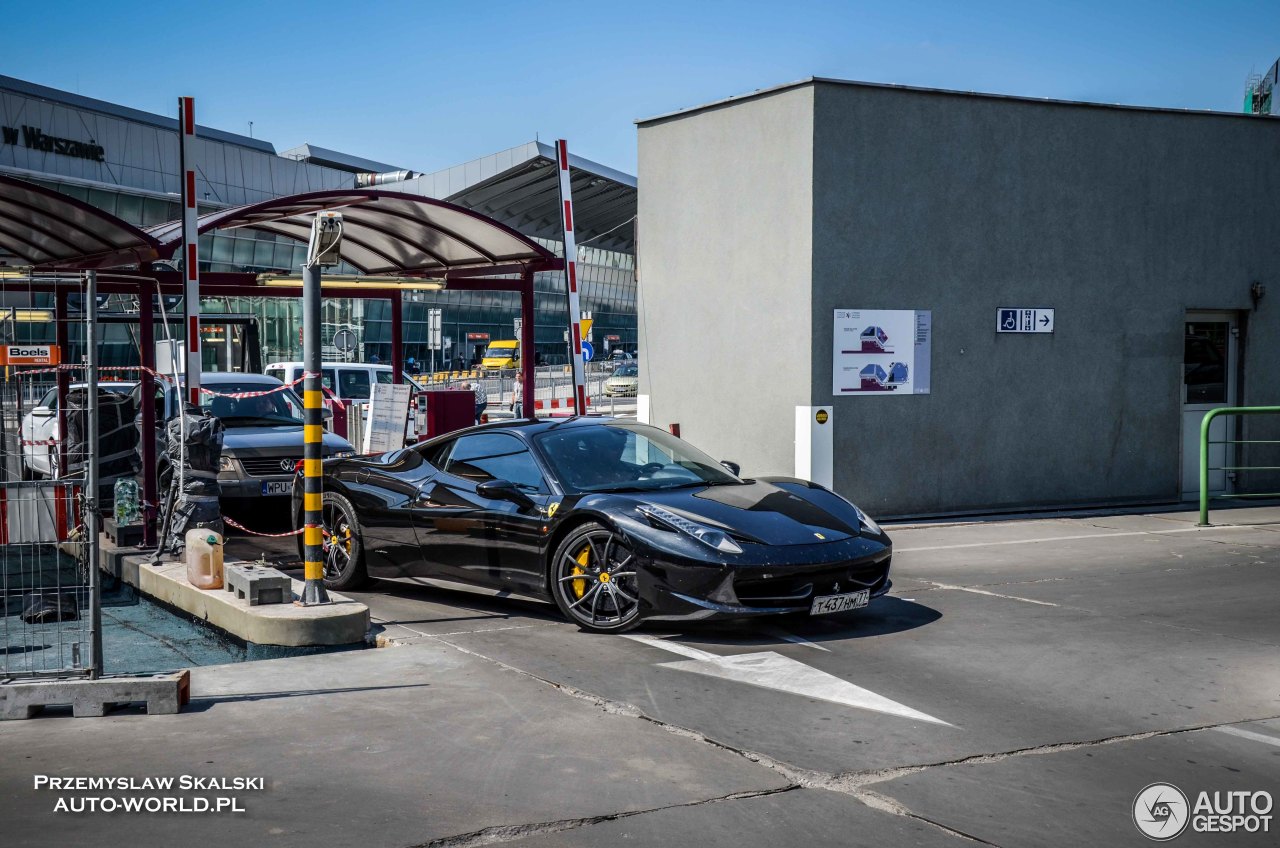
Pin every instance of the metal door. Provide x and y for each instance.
(1209, 377)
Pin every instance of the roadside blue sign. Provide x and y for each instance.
(587, 351)
(1024, 320)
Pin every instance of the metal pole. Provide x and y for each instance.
(397, 337)
(527, 348)
(571, 278)
(91, 516)
(190, 242)
(313, 591)
(147, 410)
(62, 335)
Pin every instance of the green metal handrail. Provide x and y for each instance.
(1204, 454)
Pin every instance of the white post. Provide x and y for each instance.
(815, 445)
(571, 279)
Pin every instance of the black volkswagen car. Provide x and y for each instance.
(614, 521)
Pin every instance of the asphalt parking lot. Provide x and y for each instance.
(1021, 684)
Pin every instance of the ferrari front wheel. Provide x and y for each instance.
(593, 579)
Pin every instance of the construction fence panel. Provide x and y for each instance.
(48, 443)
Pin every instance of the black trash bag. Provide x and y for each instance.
(45, 607)
(197, 502)
(116, 439)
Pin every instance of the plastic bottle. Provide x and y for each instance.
(126, 500)
(204, 558)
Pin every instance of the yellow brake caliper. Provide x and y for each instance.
(580, 586)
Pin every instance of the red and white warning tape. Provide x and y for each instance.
(239, 526)
(240, 395)
(157, 375)
(55, 368)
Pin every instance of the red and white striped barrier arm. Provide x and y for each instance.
(190, 243)
(571, 274)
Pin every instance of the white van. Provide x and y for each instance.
(350, 381)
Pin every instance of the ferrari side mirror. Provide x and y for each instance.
(734, 468)
(504, 490)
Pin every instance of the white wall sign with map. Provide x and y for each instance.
(881, 352)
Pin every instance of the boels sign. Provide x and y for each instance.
(29, 354)
(35, 139)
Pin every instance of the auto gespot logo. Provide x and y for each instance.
(1162, 812)
(29, 354)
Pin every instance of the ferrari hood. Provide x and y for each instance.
(761, 511)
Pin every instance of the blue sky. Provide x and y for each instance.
(430, 84)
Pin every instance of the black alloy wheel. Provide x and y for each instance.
(342, 548)
(593, 579)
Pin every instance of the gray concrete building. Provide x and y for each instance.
(1153, 235)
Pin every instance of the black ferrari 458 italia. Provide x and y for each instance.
(614, 521)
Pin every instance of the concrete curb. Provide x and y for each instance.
(343, 622)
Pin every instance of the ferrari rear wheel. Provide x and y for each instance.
(342, 546)
(593, 579)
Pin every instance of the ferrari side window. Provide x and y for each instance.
(495, 456)
(439, 455)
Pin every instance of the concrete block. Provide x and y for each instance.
(123, 535)
(164, 694)
(258, 584)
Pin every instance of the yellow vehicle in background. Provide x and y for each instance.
(501, 354)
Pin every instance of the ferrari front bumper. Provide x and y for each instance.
(763, 582)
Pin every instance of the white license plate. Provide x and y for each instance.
(277, 487)
(827, 604)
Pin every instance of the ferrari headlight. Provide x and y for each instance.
(709, 536)
(226, 463)
(867, 521)
(343, 454)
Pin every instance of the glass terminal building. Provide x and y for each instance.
(125, 161)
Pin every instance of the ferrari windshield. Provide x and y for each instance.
(620, 456)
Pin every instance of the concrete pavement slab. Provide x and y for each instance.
(797, 817)
(405, 612)
(1087, 552)
(1236, 600)
(389, 747)
(1006, 674)
(1085, 796)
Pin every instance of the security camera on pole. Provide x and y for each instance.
(322, 250)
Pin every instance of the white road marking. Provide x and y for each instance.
(770, 670)
(793, 638)
(1249, 734)
(1072, 538)
(673, 647)
(992, 594)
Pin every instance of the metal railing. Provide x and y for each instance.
(1204, 455)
